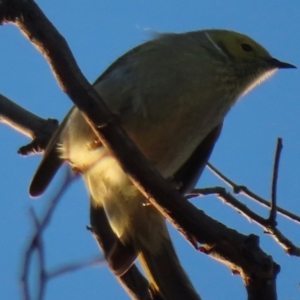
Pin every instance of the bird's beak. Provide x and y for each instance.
(280, 64)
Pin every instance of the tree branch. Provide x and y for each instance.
(243, 190)
(273, 210)
(29, 124)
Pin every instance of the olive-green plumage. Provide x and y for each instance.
(172, 94)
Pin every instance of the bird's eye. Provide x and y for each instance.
(246, 47)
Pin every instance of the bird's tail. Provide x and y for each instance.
(166, 274)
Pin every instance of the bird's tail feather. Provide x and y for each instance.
(166, 274)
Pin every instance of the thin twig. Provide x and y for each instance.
(221, 193)
(25, 269)
(39, 247)
(34, 242)
(68, 178)
(75, 266)
(243, 190)
(272, 216)
(226, 197)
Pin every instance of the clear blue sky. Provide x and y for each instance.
(98, 32)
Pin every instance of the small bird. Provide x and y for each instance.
(172, 94)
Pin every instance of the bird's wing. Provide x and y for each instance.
(187, 176)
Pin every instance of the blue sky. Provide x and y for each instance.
(100, 31)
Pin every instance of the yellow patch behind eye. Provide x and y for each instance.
(236, 44)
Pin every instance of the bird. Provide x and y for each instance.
(172, 94)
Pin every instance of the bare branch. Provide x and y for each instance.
(39, 247)
(29, 124)
(272, 216)
(35, 243)
(71, 267)
(226, 197)
(243, 190)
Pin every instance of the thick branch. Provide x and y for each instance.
(29, 124)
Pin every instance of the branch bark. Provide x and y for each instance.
(27, 123)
